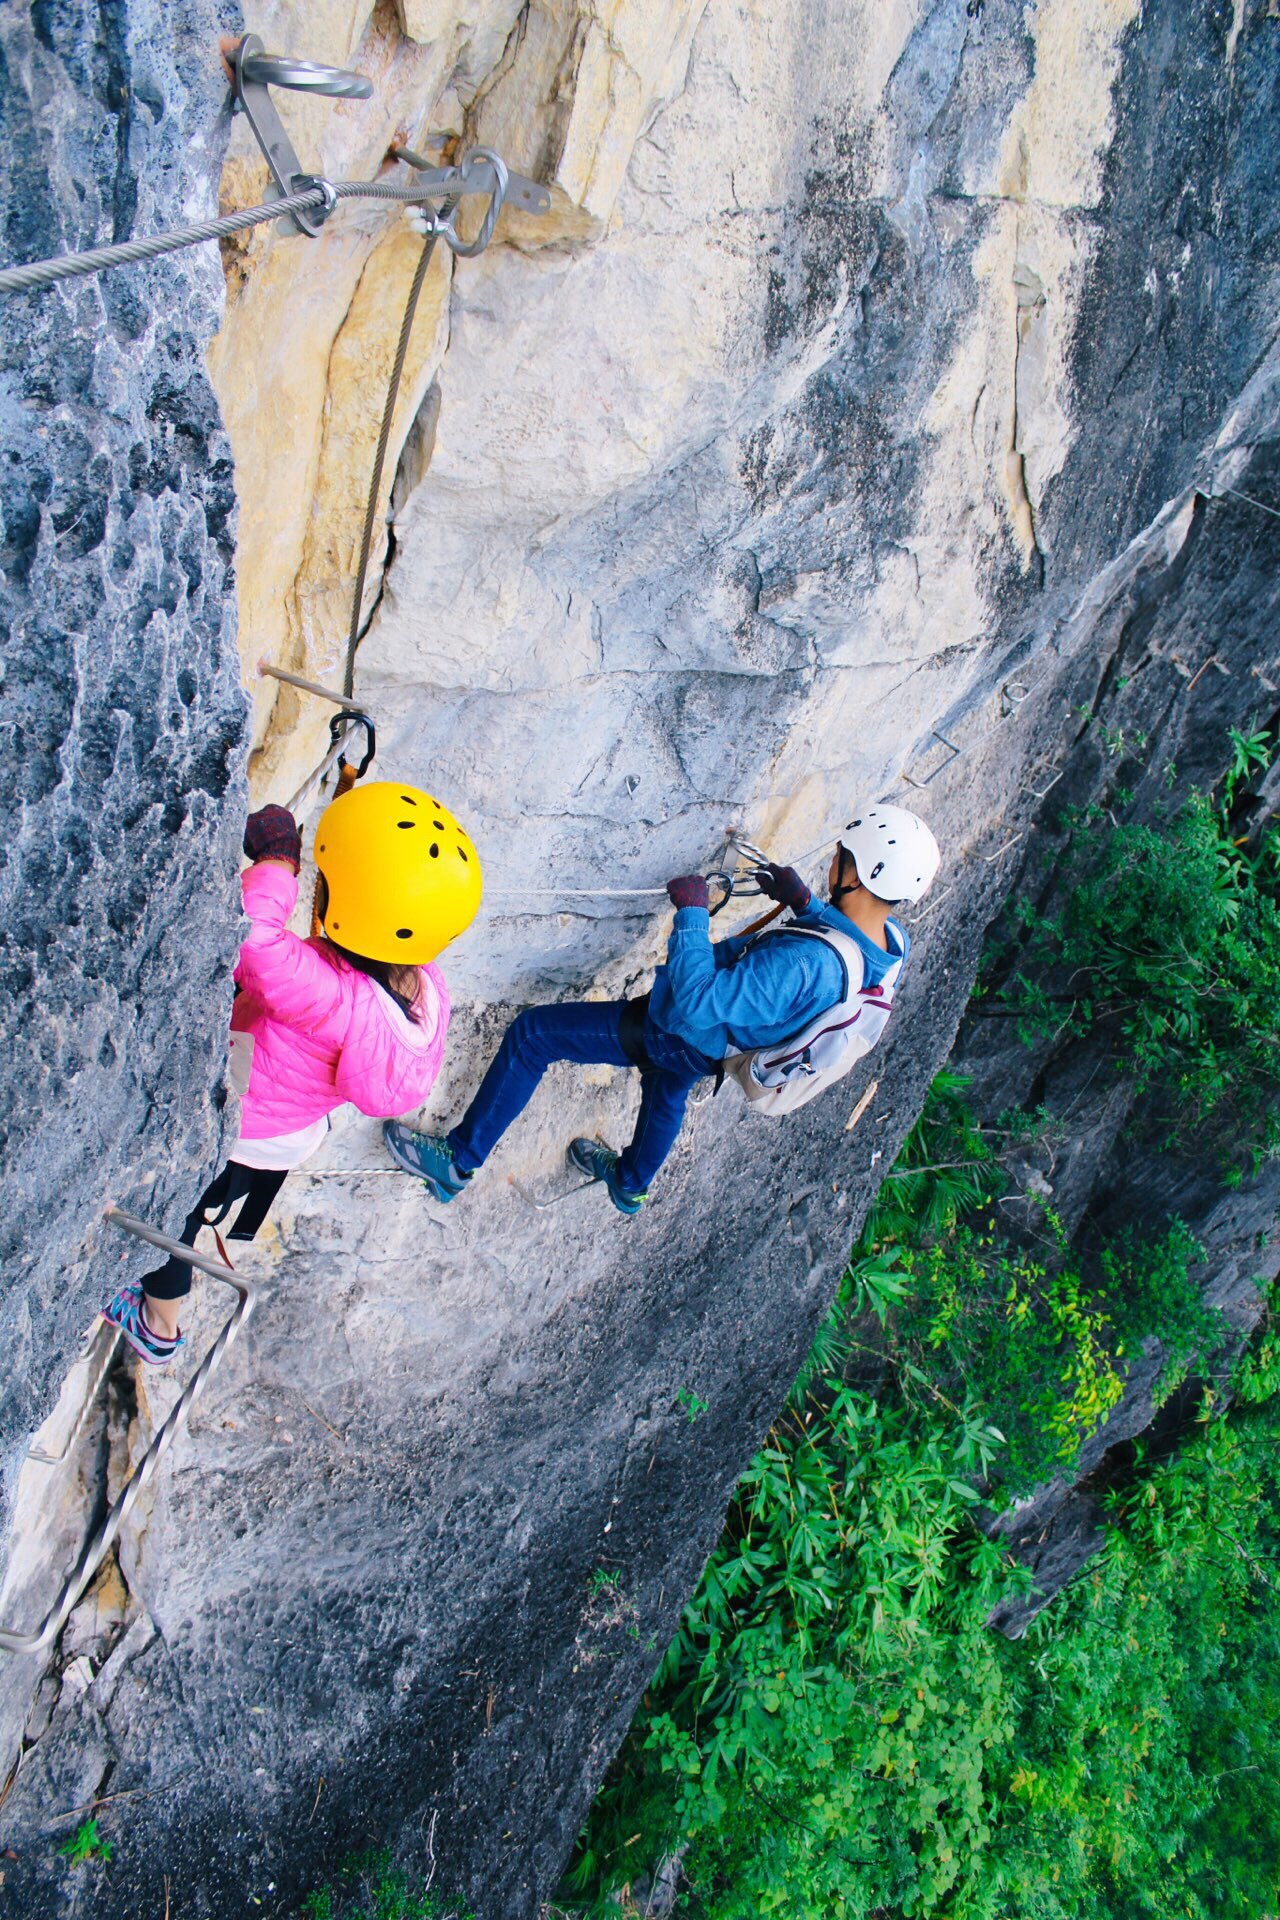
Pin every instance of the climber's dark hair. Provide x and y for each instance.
(379, 970)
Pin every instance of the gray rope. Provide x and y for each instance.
(76, 266)
(379, 459)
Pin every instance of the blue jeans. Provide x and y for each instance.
(588, 1034)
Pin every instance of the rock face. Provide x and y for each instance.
(874, 390)
(124, 722)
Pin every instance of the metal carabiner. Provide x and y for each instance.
(339, 734)
(448, 231)
(720, 877)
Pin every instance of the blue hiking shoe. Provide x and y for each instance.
(428, 1157)
(124, 1311)
(601, 1163)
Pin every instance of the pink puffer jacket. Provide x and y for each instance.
(324, 1033)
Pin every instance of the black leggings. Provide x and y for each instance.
(257, 1187)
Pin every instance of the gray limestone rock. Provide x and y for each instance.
(120, 705)
(359, 1604)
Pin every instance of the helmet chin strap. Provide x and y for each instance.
(843, 854)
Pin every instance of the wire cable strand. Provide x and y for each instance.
(379, 458)
(78, 266)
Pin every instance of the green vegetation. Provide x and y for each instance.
(1169, 942)
(86, 1843)
(835, 1730)
(369, 1887)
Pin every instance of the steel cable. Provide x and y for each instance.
(76, 266)
(379, 459)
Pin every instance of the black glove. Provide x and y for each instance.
(272, 834)
(690, 890)
(784, 885)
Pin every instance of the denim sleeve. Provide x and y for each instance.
(777, 987)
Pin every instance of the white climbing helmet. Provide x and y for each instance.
(896, 855)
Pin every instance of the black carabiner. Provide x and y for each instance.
(344, 719)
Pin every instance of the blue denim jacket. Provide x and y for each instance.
(754, 992)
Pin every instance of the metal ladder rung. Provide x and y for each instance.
(90, 1395)
(99, 1545)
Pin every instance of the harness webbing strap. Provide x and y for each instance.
(631, 1032)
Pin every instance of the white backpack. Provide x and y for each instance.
(780, 1078)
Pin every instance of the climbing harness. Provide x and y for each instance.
(105, 1535)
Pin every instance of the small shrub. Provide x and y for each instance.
(86, 1843)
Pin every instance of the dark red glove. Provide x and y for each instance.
(784, 885)
(690, 890)
(272, 834)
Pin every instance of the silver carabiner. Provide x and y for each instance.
(469, 249)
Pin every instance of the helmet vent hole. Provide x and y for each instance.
(404, 933)
(462, 853)
(438, 825)
(408, 800)
(405, 825)
(434, 850)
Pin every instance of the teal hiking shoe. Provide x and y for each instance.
(428, 1157)
(125, 1312)
(601, 1163)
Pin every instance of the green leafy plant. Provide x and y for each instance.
(690, 1405)
(369, 1887)
(1169, 943)
(86, 1843)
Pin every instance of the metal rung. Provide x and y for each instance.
(267, 668)
(1012, 841)
(105, 1536)
(954, 754)
(109, 1346)
(541, 1206)
(1042, 793)
(936, 901)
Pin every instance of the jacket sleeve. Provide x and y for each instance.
(704, 994)
(294, 982)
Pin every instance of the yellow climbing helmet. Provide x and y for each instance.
(402, 874)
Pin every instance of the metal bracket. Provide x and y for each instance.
(529, 195)
(954, 754)
(255, 72)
